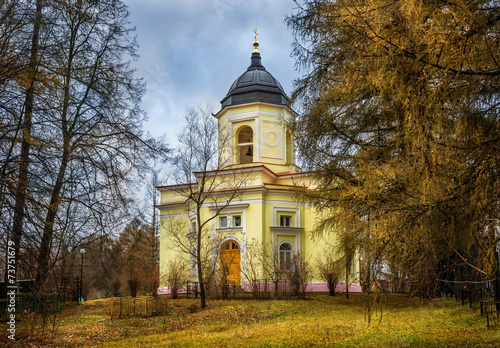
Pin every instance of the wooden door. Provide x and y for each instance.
(230, 262)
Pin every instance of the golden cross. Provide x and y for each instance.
(255, 31)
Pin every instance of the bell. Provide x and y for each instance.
(249, 152)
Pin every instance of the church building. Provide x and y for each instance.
(266, 212)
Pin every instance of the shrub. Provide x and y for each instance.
(303, 275)
(176, 276)
(133, 285)
(329, 271)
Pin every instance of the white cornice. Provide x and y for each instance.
(286, 107)
(171, 206)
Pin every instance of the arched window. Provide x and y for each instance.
(285, 258)
(245, 145)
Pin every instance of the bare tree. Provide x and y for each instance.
(201, 182)
(24, 116)
(97, 118)
(176, 275)
(71, 138)
(153, 239)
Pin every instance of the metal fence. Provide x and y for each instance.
(25, 304)
(192, 288)
(274, 289)
(480, 295)
(123, 307)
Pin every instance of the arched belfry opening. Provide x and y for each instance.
(245, 145)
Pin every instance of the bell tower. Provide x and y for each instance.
(256, 121)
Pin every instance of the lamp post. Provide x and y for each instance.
(80, 297)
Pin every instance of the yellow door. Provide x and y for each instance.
(230, 262)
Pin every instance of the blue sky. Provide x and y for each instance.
(192, 51)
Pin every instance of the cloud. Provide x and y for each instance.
(193, 51)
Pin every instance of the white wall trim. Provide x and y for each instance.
(231, 136)
(277, 138)
(281, 139)
(256, 142)
(251, 114)
(214, 238)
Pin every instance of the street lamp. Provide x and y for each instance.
(80, 297)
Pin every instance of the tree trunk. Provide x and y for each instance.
(55, 200)
(48, 228)
(22, 181)
(198, 259)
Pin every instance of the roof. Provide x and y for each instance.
(255, 84)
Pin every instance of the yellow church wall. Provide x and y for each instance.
(266, 197)
(271, 140)
(269, 124)
(289, 238)
(259, 220)
(171, 197)
(168, 251)
(263, 160)
(254, 219)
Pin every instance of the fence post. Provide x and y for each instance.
(496, 282)
(481, 298)
(22, 306)
(487, 318)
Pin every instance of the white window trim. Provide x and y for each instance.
(227, 217)
(286, 241)
(292, 251)
(229, 221)
(233, 224)
(287, 231)
(286, 209)
(289, 222)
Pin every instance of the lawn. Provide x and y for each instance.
(321, 320)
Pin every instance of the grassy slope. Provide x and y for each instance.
(319, 321)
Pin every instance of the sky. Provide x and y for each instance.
(192, 51)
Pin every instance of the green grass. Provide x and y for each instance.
(319, 321)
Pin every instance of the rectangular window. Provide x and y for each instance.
(237, 221)
(285, 221)
(223, 222)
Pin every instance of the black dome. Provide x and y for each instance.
(255, 84)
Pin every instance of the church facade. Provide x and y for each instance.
(265, 213)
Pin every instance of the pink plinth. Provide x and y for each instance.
(316, 287)
(311, 287)
(168, 291)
